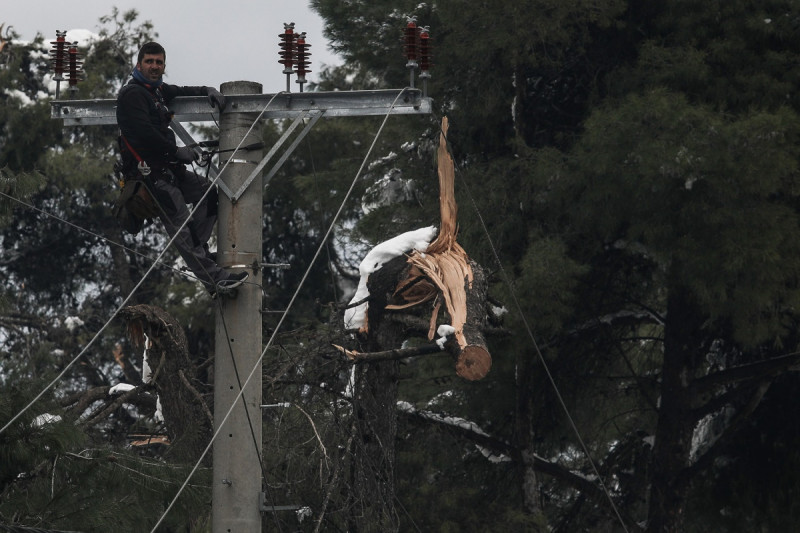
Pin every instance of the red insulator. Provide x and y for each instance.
(302, 59)
(411, 39)
(287, 44)
(75, 72)
(58, 54)
(425, 52)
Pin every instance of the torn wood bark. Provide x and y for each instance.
(441, 275)
(451, 274)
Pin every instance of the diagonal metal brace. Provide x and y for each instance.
(314, 115)
(187, 139)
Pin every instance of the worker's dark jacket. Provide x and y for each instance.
(143, 118)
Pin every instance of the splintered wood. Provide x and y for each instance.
(446, 265)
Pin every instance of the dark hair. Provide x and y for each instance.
(150, 48)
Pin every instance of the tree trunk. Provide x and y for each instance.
(374, 409)
(186, 414)
(673, 438)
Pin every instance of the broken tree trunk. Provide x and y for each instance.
(186, 414)
(458, 280)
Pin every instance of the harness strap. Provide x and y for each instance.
(144, 168)
(130, 148)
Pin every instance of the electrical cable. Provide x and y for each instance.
(97, 235)
(139, 284)
(286, 311)
(529, 330)
(246, 409)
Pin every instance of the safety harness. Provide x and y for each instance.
(136, 203)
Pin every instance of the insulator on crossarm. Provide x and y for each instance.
(425, 52)
(58, 57)
(411, 45)
(75, 69)
(425, 56)
(302, 59)
(287, 44)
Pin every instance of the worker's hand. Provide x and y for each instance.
(216, 98)
(184, 154)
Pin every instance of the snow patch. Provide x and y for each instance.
(457, 422)
(499, 311)
(120, 388)
(419, 239)
(45, 418)
(147, 374)
(73, 322)
(444, 331)
(158, 416)
(303, 513)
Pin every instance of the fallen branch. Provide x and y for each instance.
(387, 355)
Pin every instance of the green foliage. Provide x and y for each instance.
(710, 196)
(51, 479)
(611, 151)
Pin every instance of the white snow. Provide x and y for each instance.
(418, 239)
(444, 331)
(499, 311)
(72, 322)
(390, 190)
(158, 416)
(45, 418)
(458, 422)
(120, 388)
(351, 383)
(303, 513)
(383, 160)
(147, 374)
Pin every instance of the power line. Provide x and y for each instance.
(97, 235)
(286, 311)
(528, 329)
(136, 287)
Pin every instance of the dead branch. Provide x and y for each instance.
(387, 355)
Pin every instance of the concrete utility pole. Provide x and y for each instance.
(236, 489)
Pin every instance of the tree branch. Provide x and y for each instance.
(748, 372)
(387, 355)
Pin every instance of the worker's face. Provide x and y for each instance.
(152, 66)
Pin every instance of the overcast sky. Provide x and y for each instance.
(208, 42)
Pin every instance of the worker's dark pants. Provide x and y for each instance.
(191, 242)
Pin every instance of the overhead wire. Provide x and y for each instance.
(138, 284)
(529, 331)
(286, 311)
(157, 261)
(98, 236)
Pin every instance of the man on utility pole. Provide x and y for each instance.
(151, 155)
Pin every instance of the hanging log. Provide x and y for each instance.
(449, 272)
(443, 275)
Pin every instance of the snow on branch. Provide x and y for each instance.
(355, 317)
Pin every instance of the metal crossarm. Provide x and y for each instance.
(406, 101)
